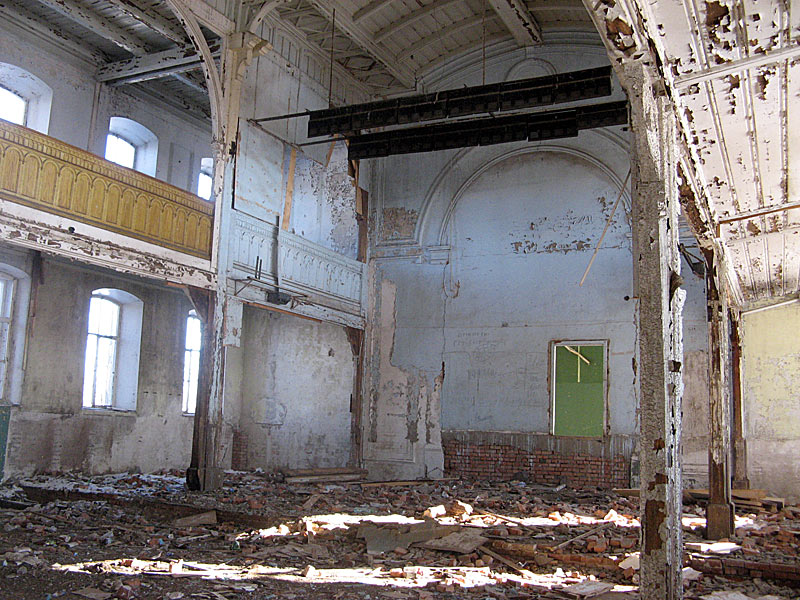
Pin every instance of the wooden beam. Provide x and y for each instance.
(370, 9)
(99, 25)
(738, 441)
(519, 21)
(152, 21)
(444, 32)
(189, 82)
(366, 41)
(210, 17)
(735, 66)
(151, 66)
(410, 19)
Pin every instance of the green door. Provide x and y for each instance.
(579, 404)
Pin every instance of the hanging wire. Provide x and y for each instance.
(484, 42)
(330, 74)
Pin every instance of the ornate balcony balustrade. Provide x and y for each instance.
(287, 262)
(44, 173)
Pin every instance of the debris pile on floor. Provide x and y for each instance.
(146, 536)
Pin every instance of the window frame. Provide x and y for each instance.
(554, 345)
(7, 297)
(187, 354)
(116, 338)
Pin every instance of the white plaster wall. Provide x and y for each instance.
(297, 379)
(770, 383)
(522, 235)
(476, 256)
(285, 80)
(324, 203)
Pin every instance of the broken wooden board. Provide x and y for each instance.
(516, 548)
(461, 542)
(406, 483)
(324, 475)
(204, 518)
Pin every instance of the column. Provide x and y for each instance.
(660, 338)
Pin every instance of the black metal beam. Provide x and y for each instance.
(498, 97)
(533, 127)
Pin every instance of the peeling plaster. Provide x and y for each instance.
(399, 223)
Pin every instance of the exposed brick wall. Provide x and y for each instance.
(239, 451)
(497, 462)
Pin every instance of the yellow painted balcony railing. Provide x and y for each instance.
(44, 173)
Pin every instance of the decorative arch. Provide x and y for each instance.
(468, 164)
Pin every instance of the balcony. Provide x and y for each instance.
(264, 257)
(46, 174)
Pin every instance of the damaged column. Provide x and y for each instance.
(719, 514)
(660, 338)
(220, 312)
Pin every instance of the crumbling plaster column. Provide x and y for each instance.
(719, 513)
(660, 337)
(221, 313)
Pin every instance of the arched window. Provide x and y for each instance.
(111, 367)
(101, 352)
(205, 179)
(24, 98)
(132, 145)
(191, 361)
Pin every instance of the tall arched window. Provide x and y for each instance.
(132, 145)
(111, 367)
(101, 352)
(24, 98)
(191, 361)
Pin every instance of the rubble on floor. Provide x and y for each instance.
(145, 536)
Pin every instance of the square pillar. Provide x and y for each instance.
(657, 283)
(719, 513)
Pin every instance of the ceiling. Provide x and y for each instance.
(385, 44)
(731, 67)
